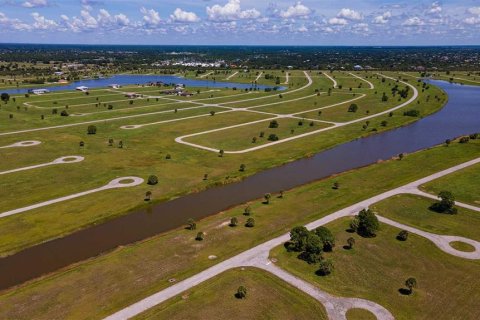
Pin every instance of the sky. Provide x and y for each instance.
(241, 22)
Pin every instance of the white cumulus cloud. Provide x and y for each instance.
(230, 11)
(349, 14)
(337, 21)
(184, 16)
(298, 10)
(35, 4)
(414, 21)
(382, 19)
(151, 17)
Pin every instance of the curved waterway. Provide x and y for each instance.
(460, 116)
(130, 79)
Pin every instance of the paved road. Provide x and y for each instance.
(258, 257)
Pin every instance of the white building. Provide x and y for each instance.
(82, 88)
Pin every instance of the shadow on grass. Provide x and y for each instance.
(404, 292)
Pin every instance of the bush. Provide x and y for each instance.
(273, 124)
(403, 235)
(247, 211)
(64, 113)
(191, 224)
(241, 292)
(464, 139)
(412, 113)
(353, 108)
(233, 222)
(272, 137)
(250, 223)
(200, 236)
(325, 267)
(152, 180)
(92, 129)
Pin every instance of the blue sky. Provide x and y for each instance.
(263, 22)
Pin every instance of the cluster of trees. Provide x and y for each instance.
(311, 245)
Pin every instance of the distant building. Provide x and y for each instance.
(132, 95)
(38, 91)
(82, 88)
(358, 68)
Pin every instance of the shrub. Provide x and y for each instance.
(272, 137)
(168, 156)
(64, 113)
(351, 242)
(250, 223)
(233, 222)
(152, 180)
(464, 139)
(200, 236)
(446, 203)
(247, 211)
(212, 113)
(412, 113)
(403, 235)
(191, 224)
(92, 129)
(273, 124)
(325, 267)
(241, 292)
(353, 108)
(242, 167)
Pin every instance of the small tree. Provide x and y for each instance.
(336, 185)
(82, 144)
(241, 292)
(267, 197)
(242, 167)
(148, 195)
(272, 137)
(403, 235)
(152, 180)
(110, 142)
(233, 222)
(200, 236)
(325, 267)
(191, 224)
(353, 108)
(327, 238)
(205, 176)
(120, 144)
(221, 153)
(448, 142)
(351, 242)
(368, 223)
(446, 203)
(354, 224)
(212, 113)
(250, 223)
(247, 211)
(5, 97)
(411, 283)
(273, 124)
(92, 129)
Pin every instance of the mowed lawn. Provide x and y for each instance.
(376, 269)
(463, 184)
(268, 297)
(413, 210)
(117, 279)
(256, 134)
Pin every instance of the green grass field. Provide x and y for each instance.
(413, 210)
(267, 298)
(377, 268)
(463, 184)
(115, 280)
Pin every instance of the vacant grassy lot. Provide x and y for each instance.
(241, 138)
(377, 268)
(413, 210)
(463, 184)
(268, 297)
(117, 279)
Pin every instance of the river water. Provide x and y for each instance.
(129, 79)
(460, 116)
